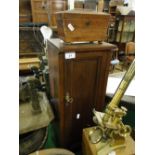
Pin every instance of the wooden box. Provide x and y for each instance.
(78, 77)
(103, 148)
(43, 11)
(80, 25)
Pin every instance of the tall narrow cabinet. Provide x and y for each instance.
(78, 78)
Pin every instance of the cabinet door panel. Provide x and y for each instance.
(82, 85)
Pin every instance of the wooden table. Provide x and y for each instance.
(27, 63)
(94, 149)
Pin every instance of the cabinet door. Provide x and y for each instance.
(84, 87)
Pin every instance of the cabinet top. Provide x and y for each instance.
(82, 12)
(62, 46)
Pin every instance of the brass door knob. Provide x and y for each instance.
(68, 98)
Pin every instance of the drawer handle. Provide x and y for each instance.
(87, 23)
(68, 98)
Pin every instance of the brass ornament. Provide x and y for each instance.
(110, 126)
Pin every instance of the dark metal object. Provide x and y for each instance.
(42, 74)
(34, 96)
(29, 92)
(23, 92)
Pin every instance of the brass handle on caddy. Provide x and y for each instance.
(68, 98)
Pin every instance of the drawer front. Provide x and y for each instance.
(24, 19)
(48, 5)
(39, 5)
(58, 6)
(44, 9)
(40, 18)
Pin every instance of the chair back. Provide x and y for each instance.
(130, 48)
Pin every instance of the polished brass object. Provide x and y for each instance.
(68, 98)
(110, 122)
(33, 83)
(95, 134)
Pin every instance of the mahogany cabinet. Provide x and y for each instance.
(78, 78)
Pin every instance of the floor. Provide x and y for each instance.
(118, 68)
